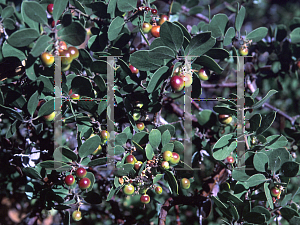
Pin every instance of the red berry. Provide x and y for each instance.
(138, 165)
(133, 69)
(145, 199)
(146, 27)
(76, 215)
(275, 191)
(203, 74)
(177, 83)
(158, 190)
(70, 180)
(140, 126)
(130, 159)
(225, 119)
(230, 159)
(298, 64)
(154, 11)
(163, 18)
(167, 155)
(81, 172)
(175, 158)
(62, 46)
(165, 165)
(50, 8)
(66, 58)
(185, 183)
(104, 135)
(73, 95)
(128, 189)
(187, 79)
(74, 52)
(155, 31)
(147, 8)
(47, 59)
(84, 183)
(53, 23)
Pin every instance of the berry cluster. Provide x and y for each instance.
(154, 28)
(180, 79)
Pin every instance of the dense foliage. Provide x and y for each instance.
(160, 141)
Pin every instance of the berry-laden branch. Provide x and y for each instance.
(200, 200)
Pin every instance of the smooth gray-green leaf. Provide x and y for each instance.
(33, 102)
(259, 161)
(171, 35)
(149, 152)
(257, 34)
(89, 146)
(35, 12)
(126, 6)
(267, 121)
(9, 51)
(7, 12)
(224, 152)
(40, 45)
(115, 27)
(217, 25)
(155, 138)
(47, 108)
(32, 173)
(240, 18)
(262, 101)
(74, 34)
(230, 33)
(200, 44)
(58, 8)
(157, 79)
(256, 179)
(22, 38)
(165, 138)
(169, 177)
(295, 35)
(209, 63)
(268, 195)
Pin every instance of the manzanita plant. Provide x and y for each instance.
(121, 110)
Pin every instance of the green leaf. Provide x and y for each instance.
(239, 174)
(35, 12)
(13, 128)
(184, 31)
(111, 194)
(255, 122)
(89, 146)
(9, 24)
(209, 63)
(169, 177)
(218, 53)
(171, 35)
(121, 139)
(7, 12)
(33, 102)
(217, 25)
(230, 34)
(262, 210)
(126, 6)
(268, 195)
(295, 35)
(288, 212)
(13, 114)
(58, 8)
(155, 138)
(98, 162)
(153, 59)
(112, 7)
(141, 138)
(47, 108)
(9, 51)
(41, 44)
(206, 118)
(22, 38)
(157, 79)
(255, 217)
(240, 18)
(200, 44)
(52, 165)
(64, 154)
(32, 173)
(100, 83)
(290, 169)
(124, 170)
(169, 127)
(115, 28)
(74, 34)
(280, 153)
(149, 152)
(267, 121)
(276, 141)
(257, 34)
(256, 179)
(262, 101)
(223, 141)
(165, 138)
(260, 161)
(168, 147)
(221, 109)
(295, 220)
(119, 150)
(157, 178)
(224, 152)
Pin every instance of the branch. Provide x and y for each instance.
(198, 15)
(230, 85)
